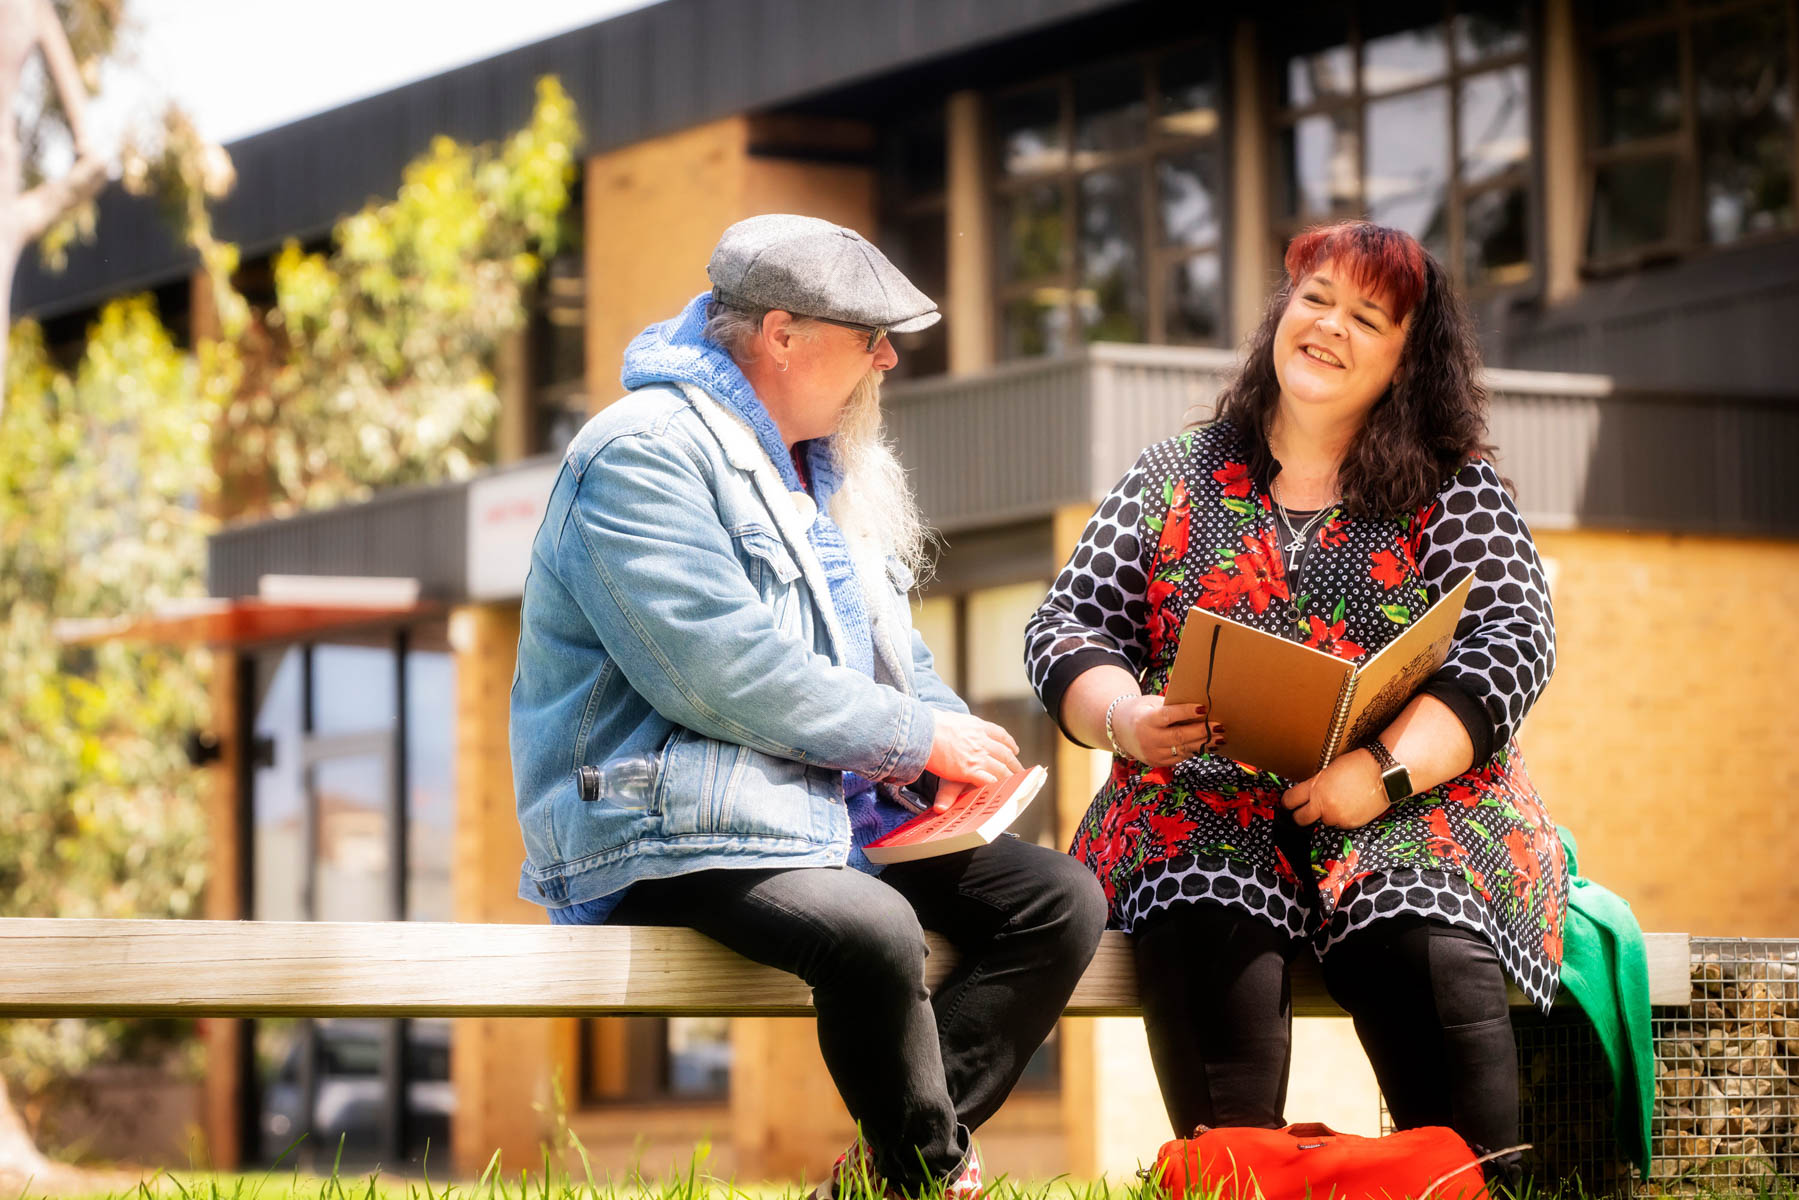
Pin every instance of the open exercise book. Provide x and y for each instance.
(1289, 708)
(976, 818)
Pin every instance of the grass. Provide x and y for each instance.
(693, 1182)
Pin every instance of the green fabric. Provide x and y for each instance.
(1605, 967)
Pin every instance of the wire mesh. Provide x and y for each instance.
(1727, 1073)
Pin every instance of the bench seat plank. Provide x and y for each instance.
(52, 967)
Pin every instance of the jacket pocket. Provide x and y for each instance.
(771, 571)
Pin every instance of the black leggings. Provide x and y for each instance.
(1428, 999)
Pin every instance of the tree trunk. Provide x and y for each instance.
(18, 1153)
(27, 25)
(18, 27)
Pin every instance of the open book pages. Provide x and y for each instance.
(976, 818)
(1290, 708)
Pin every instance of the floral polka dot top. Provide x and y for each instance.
(1188, 525)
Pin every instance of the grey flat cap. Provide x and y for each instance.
(813, 268)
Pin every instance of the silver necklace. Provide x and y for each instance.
(1297, 539)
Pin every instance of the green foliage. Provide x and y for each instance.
(102, 476)
(374, 368)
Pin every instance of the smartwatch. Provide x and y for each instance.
(1393, 774)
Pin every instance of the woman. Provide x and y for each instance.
(1341, 490)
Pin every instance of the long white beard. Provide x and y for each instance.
(875, 504)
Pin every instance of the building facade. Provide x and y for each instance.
(1098, 192)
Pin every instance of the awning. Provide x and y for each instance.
(290, 608)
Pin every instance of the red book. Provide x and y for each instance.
(975, 818)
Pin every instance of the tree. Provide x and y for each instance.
(375, 367)
(101, 475)
(372, 369)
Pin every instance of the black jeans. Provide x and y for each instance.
(1428, 999)
(916, 1070)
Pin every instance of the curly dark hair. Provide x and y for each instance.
(1430, 420)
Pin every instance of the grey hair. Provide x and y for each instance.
(736, 329)
(876, 501)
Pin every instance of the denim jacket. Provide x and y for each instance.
(674, 608)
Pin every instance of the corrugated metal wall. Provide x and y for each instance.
(643, 73)
(416, 533)
(1021, 441)
(1009, 447)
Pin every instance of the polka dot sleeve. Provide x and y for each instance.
(1504, 648)
(1095, 611)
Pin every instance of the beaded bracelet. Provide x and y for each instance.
(1110, 709)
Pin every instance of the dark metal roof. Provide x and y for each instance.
(643, 73)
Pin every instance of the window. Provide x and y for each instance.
(1109, 207)
(1691, 138)
(1415, 116)
(557, 334)
(914, 225)
(637, 1060)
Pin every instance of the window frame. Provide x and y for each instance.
(899, 209)
(1526, 174)
(1687, 237)
(1157, 260)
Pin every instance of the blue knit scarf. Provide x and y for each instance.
(676, 351)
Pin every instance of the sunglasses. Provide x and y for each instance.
(875, 332)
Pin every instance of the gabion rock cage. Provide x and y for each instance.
(1727, 1074)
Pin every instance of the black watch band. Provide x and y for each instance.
(1393, 774)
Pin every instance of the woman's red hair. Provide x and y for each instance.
(1387, 262)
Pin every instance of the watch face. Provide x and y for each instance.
(1398, 781)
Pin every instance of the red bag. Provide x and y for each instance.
(1314, 1160)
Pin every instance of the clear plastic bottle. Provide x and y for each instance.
(627, 781)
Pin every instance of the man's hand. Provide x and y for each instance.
(1347, 794)
(948, 793)
(966, 749)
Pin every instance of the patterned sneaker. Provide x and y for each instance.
(853, 1174)
(967, 1184)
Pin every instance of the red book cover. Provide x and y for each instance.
(976, 818)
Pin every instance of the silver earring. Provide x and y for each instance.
(783, 366)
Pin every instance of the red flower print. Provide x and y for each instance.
(1284, 869)
(1245, 805)
(1552, 944)
(1527, 870)
(1461, 793)
(1478, 882)
(1388, 571)
(1164, 614)
(1217, 590)
(1340, 873)
(1173, 544)
(1413, 541)
(1442, 841)
(1235, 478)
(1335, 532)
(1170, 832)
(1259, 567)
(1330, 639)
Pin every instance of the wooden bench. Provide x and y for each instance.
(68, 968)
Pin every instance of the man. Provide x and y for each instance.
(720, 589)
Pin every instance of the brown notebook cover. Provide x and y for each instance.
(1289, 708)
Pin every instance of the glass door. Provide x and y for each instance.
(335, 815)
